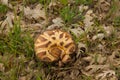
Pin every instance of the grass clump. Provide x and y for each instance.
(45, 2)
(70, 13)
(67, 14)
(3, 8)
(16, 47)
(116, 21)
(85, 2)
(86, 77)
(16, 41)
(64, 2)
(39, 1)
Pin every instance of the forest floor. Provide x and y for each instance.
(93, 24)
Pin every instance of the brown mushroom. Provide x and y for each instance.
(54, 45)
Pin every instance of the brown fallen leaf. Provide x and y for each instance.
(89, 16)
(106, 75)
(2, 68)
(8, 22)
(37, 13)
(57, 23)
(4, 2)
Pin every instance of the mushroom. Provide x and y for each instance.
(54, 45)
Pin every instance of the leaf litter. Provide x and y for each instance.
(94, 56)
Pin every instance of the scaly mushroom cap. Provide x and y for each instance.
(54, 45)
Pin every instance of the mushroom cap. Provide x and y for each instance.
(54, 45)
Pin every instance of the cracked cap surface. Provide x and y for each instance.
(54, 45)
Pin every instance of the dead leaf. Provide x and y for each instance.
(109, 30)
(77, 30)
(57, 23)
(88, 19)
(99, 36)
(113, 59)
(82, 48)
(2, 68)
(82, 8)
(74, 74)
(92, 69)
(4, 2)
(22, 78)
(38, 13)
(8, 22)
(107, 75)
